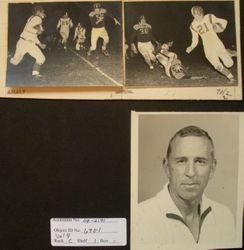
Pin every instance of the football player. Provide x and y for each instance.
(29, 42)
(142, 31)
(172, 64)
(79, 36)
(206, 27)
(165, 57)
(97, 18)
(64, 25)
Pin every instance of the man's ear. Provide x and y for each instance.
(166, 167)
(213, 167)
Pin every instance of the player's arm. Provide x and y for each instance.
(132, 39)
(59, 24)
(70, 23)
(222, 22)
(92, 18)
(152, 37)
(35, 25)
(111, 16)
(194, 42)
(75, 35)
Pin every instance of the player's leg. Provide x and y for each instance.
(151, 52)
(77, 46)
(225, 56)
(105, 37)
(65, 35)
(213, 58)
(164, 61)
(82, 41)
(36, 53)
(95, 33)
(20, 51)
(143, 49)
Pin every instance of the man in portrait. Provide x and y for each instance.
(181, 214)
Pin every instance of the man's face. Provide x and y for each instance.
(143, 21)
(198, 16)
(189, 167)
(97, 8)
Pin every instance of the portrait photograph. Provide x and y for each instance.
(186, 180)
(182, 44)
(65, 44)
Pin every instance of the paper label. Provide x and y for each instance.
(88, 231)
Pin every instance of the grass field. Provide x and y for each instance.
(138, 74)
(70, 68)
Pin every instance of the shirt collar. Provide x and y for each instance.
(169, 209)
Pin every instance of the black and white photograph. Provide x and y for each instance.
(186, 180)
(182, 44)
(65, 44)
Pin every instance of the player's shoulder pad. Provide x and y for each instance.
(35, 18)
(103, 11)
(34, 21)
(192, 27)
(136, 27)
(148, 26)
(92, 14)
(210, 17)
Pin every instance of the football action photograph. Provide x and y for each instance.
(181, 44)
(65, 44)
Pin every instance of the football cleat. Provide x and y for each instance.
(231, 81)
(105, 52)
(88, 53)
(38, 77)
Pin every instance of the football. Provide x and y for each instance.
(39, 29)
(218, 28)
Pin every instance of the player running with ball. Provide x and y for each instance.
(29, 42)
(64, 25)
(206, 26)
(97, 18)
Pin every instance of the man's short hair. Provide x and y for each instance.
(197, 10)
(97, 6)
(190, 131)
(37, 8)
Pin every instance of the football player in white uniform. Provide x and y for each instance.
(143, 32)
(206, 26)
(29, 42)
(79, 36)
(172, 64)
(97, 18)
(64, 25)
(166, 57)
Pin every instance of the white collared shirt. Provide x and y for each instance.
(160, 225)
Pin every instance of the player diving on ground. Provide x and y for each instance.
(172, 65)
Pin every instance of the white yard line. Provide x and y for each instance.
(96, 68)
